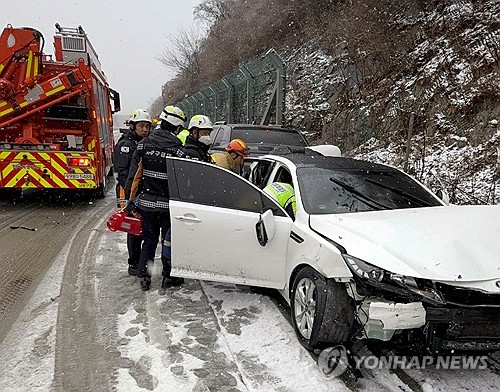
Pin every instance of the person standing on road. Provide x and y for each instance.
(147, 188)
(197, 143)
(232, 158)
(139, 125)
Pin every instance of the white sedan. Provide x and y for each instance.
(370, 254)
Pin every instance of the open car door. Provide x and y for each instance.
(224, 228)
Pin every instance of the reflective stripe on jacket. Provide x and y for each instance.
(182, 136)
(148, 177)
(283, 193)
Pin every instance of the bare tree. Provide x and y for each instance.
(156, 106)
(182, 53)
(213, 11)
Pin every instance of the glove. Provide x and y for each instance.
(129, 207)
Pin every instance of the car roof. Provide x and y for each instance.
(257, 127)
(303, 157)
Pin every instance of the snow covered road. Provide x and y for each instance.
(88, 326)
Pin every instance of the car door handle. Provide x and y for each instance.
(183, 218)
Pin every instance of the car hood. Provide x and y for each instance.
(448, 243)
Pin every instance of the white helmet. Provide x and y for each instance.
(140, 115)
(200, 121)
(173, 115)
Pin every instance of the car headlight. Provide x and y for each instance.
(379, 277)
(363, 269)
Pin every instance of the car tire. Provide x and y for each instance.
(321, 310)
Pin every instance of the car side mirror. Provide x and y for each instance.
(265, 227)
(443, 195)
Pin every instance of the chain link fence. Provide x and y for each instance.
(254, 93)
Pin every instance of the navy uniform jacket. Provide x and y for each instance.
(197, 150)
(148, 177)
(122, 159)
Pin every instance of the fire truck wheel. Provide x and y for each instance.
(101, 190)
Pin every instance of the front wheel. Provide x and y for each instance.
(322, 311)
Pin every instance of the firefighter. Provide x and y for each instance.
(139, 125)
(284, 194)
(232, 158)
(147, 188)
(197, 142)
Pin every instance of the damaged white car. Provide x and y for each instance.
(370, 254)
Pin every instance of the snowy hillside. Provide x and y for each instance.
(448, 83)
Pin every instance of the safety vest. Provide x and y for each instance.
(283, 193)
(182, 135)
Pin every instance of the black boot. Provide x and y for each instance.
(145, 283)
(171, 281)
(132, 270)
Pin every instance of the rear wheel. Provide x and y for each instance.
(322, 311)
(102, 189)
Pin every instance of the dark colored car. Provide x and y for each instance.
(260, 139)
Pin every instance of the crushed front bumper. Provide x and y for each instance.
(465, 329)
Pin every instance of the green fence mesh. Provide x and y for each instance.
(252, 93)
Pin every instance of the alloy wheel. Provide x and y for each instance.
(305, 306)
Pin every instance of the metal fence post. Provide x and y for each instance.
(255, 93)
(230, 94)
(278, 93)
(214, 92)
(250, 94)
(408, 141)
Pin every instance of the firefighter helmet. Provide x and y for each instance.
(201, 122)
(140, 115)
(173, 115)
(238, 146)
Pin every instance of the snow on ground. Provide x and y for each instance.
(193, 338)
(469, 173)
(27, 352)
(198, 337)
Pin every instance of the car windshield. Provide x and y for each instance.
(269, 136)
(334, 191)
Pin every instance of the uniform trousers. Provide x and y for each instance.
(154, 223)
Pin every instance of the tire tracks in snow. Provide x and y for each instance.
(82, 357)
(26, 255)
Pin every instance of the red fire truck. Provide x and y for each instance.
(56, 126)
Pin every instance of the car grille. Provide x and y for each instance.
(467, 297)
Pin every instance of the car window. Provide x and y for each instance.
(330, 191)
(223, 137)
(206, 184)
(220, 137)
(276, 137)
(214, 136)
(260, 172)
(247, 168)
(283, 175)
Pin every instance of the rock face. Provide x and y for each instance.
(446, 84)
(448, 77)
(419, 80)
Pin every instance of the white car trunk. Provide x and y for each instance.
(449, 243)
